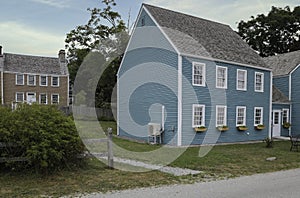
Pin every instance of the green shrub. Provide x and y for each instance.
(42, 134)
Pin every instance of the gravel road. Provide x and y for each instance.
(269, 185)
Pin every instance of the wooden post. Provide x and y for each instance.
(110, 149)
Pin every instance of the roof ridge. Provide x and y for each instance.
(188, 15)
(29, 55)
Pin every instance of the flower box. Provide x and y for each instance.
(200, 129)
(222, 128)
(242, 128)
(260, 127)
(286, 125)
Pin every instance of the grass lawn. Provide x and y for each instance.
(222, 161)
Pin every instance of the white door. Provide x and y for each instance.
(31, 98)
(276, 123)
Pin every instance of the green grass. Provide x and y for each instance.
(222, 161)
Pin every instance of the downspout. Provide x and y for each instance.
(2, 89)
(271, 107)
(179, 117)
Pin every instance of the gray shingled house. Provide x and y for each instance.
(190, 80)
(286, 78)
(24, 78)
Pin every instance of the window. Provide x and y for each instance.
(258, 116)
(55, 81)
(43, 80)
(221, 77)
(285, 116)
(241, 77)
(43, 98)
(199, 74)
(19, 97)
(259, 82)
(221, 114)
(240, 116)
(55, 98)
(31, 80)
(19, 79)
(198, 115)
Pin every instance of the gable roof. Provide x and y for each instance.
(283, 64)
(200, 37)
(34, 64)
(278, 96)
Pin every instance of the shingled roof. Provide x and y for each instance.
(283, 64)
(278, 96)
(196, 36)
(34, 64)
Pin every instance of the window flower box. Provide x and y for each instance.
(242, 128)
(222, 128)
(260, 127)
(286, 125)
(200, 129)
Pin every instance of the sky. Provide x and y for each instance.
(39, 27)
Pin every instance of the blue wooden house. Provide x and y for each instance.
(186, 74)
(286, 75)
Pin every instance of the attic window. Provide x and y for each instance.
(143, 21)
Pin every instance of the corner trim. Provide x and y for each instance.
(179, 127)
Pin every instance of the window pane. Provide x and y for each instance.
(221, 77)
(221, 116)
(43, 80)
(31, 80)
(43, 99)
(54, 81)
(198, 116)
(20, 79)
(198, 74)
(55, 99)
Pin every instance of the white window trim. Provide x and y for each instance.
(40, 98)
(244, 118)
(34, 76)
(287, 115)
(58, 83)
(237, 80)
(17, 79)
(52, 98)
(226, 77)
(262, 115)
(262, 82)
(225, 115)
(40, 79)
(203, 117)
(16, 98)
(203, 75)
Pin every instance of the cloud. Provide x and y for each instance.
(54, 3)
(229, 12)
(18, 38)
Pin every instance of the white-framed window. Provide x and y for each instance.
(43, 80)
(54, 98)
(19, 79)
(54, 81)
(285, 115)
(258, 115)
(30, 97)
(43, 98)
(31, 80)
(199, 74)
(198, 115)
(240, 116)
(221, 115)
(241, 80)
(259, 82)
(221, 77)
(19, 97)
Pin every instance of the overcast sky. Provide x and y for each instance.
(39, 27)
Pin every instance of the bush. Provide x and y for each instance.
(42, 134)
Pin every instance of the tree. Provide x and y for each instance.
(275, 33)
(104, 35)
